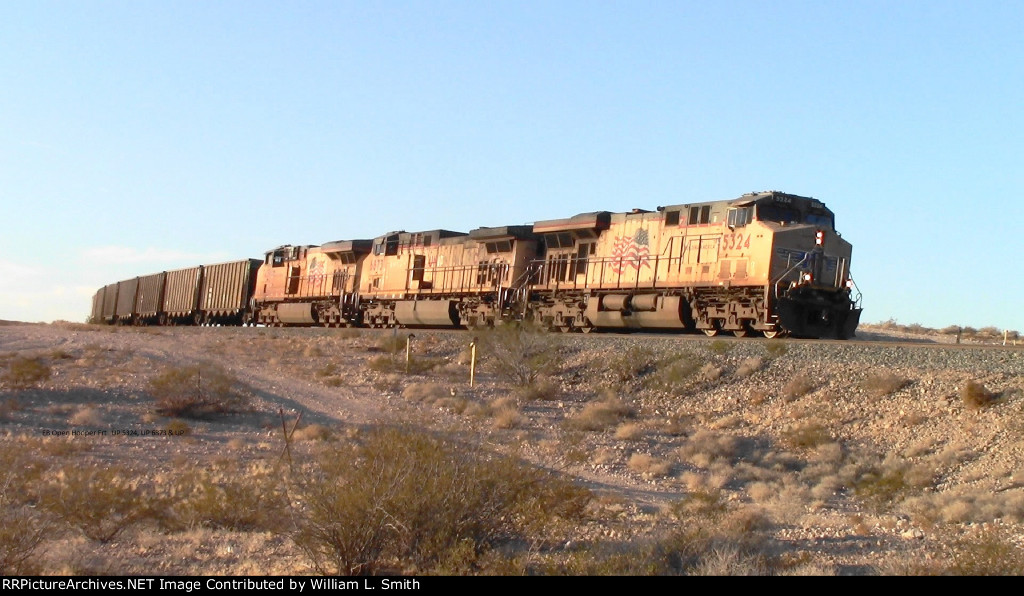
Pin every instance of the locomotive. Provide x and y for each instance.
(768, 263)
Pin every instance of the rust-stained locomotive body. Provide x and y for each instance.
(307, 285)
(442, 278)
(770, 263)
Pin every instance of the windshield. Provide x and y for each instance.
(789, 215)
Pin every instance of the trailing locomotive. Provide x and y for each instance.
(768, 263)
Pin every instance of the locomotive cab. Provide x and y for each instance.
(809, 277)
(310, 285)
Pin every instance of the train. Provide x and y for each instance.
(766, 263)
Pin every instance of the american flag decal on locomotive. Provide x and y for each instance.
(631, 251)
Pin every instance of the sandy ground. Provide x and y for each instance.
(798, 457)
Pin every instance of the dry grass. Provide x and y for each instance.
(676, 375)
(798, 387)
(600, 415)
(706, 447)
(88, 416)
(628, 365)
(424, 504)
(101, 501)
(648, 465)
(228, 495)
(975, 396)
(881, 384)
(629, 431)
(24, 372)
(507, 416)
(520, 354)
(312, 432)
(22, 531)
(808, 434)
(988, 552)
(749, 366)
(425, 392)
(197, 391)
(543, 389)
(178, 427)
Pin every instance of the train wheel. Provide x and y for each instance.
(741, 332)
(710, 332)
(771, 334)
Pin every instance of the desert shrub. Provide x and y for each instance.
(707, 446)
(988, 552)
(675, 374)
(599, 415)
(976, 396)
(775, 349)
(403, 498)
(730, 561)
(396, 363)
(540, 389)
(21, 468)
(61, 354)
(86, 416)
(197, 391)
(798, 386)
(22, 529)
(178, 427)
(989, 332)
(506, 416)
(24, 372)
(806, 434)
(881, 384)
(648, 465)
(520, 353)
(327, 370)
(312, 351)
(720, 347)
(749, 367)
(312, 432)
(629, 431)
(427, 392)
(101, 501)
(392, 343)
(879, 486)
(711, 372)
(228, 495)
(630, 364)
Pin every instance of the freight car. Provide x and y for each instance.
(207, 294)
(769, 263)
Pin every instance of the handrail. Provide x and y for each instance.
(775, 284)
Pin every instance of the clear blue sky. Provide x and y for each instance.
(141, 136)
